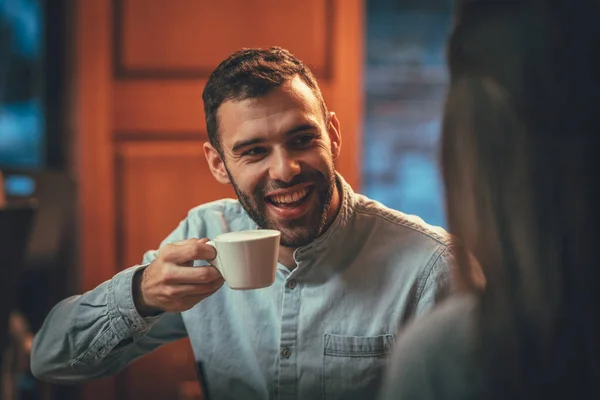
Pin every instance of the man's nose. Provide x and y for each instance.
(284, 167)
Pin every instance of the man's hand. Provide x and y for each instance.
(171, 284)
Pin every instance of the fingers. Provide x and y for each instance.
(185, 275)
(182, 253)
(188, 289)
(170, 284)
(178, 298)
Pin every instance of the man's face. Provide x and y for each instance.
(278, 153)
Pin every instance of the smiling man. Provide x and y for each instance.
(351, 272)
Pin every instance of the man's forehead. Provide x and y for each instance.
(291, 104)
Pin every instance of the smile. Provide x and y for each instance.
(290, 203)
(289, 199)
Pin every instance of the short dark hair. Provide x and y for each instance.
(252, 73)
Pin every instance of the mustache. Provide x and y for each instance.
(305, 177)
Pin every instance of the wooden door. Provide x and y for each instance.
(139, 71)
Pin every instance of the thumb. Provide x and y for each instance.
(186, 251)
(194, 242)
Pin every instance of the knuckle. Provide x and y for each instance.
(204, 250)
(203, 274)
(170, 251)
(167, 275)
(165, 251)
(164, 254)
(169, 292)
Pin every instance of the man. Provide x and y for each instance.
(350, 273)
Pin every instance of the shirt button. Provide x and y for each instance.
(286, 352)
(291, 284)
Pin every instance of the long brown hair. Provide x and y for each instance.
(521, 178)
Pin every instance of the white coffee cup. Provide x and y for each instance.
(247, 259)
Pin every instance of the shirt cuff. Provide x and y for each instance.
(124, 316)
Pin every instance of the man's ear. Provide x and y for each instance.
(335, 135)
(216, 164)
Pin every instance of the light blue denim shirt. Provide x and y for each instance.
(321, 331)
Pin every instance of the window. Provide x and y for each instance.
(405, 85)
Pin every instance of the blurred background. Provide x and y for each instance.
(101, 125)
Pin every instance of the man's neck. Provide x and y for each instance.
(286, 254)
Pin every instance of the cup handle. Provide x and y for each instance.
(214, 262)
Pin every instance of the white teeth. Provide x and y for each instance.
(289, 198)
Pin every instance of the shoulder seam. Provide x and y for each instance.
(398, 220)
(445, 250)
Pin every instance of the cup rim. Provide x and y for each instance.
(269, 233)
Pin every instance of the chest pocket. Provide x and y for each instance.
(353, 365)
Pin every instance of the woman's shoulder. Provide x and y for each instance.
(434, 356)
(452, 319)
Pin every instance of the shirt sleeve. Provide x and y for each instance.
(98, 333)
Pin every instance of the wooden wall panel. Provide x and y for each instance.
(195, 35)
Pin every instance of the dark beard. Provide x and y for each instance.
(301, 231)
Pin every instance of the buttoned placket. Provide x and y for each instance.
(290, 310)
(287, 384)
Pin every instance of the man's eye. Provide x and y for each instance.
(303, 141)
(254, 152)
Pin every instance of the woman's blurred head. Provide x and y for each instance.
(520, 170)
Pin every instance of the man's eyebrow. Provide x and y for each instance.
(240, 144)
(308, 126)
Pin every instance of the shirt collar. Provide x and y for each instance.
(337, 229)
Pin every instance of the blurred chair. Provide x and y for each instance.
(49, 274)
(16, 222)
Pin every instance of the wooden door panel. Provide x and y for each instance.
(195, 35)
(147, 106)
(158, 182)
